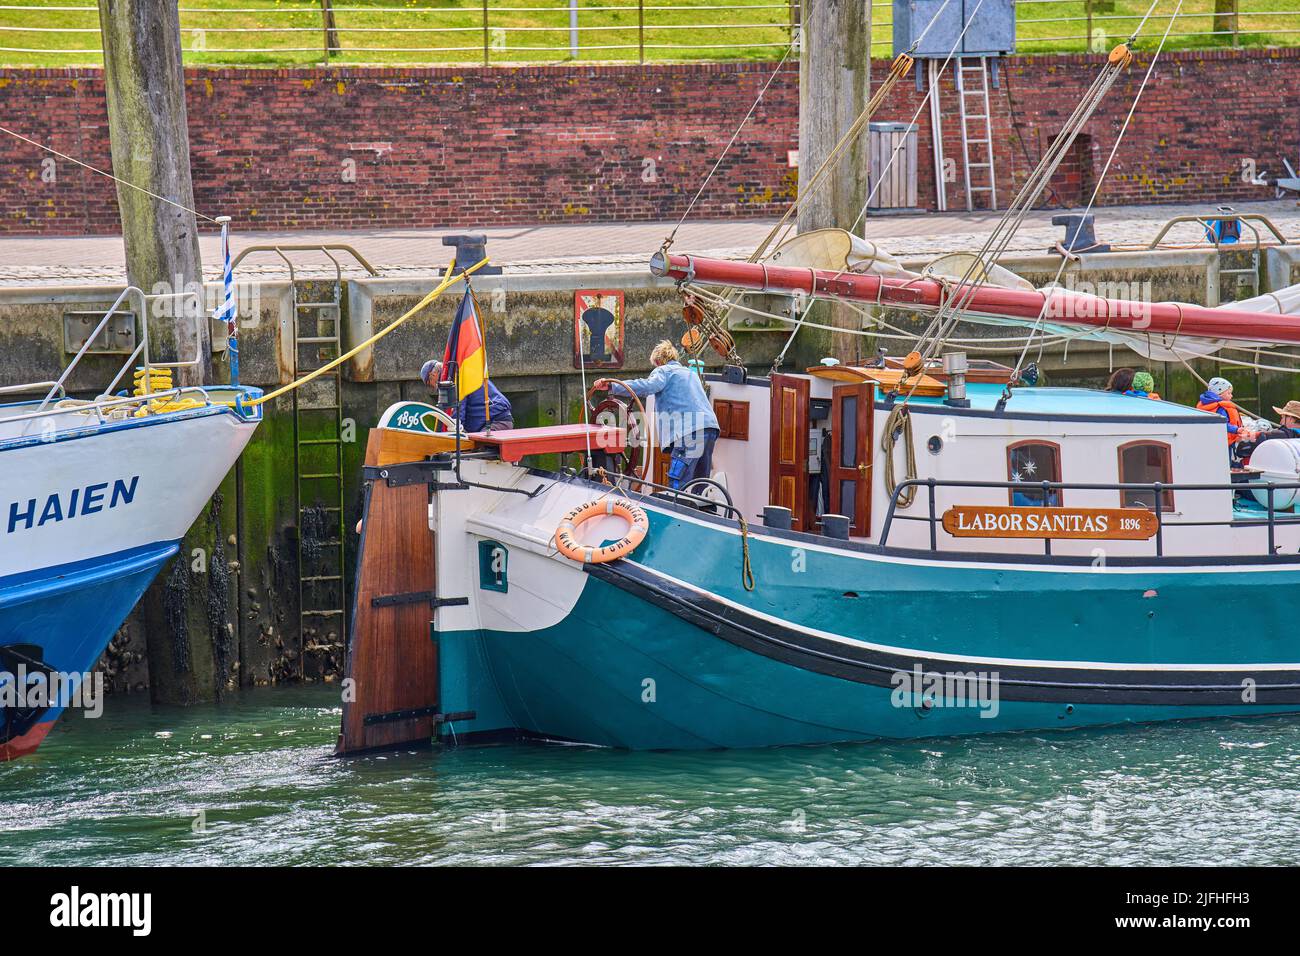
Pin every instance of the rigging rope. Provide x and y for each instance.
(1119, 59)
(776, 362)
(93, 169)
(931, 91)
(1105, 169)
(898, 69)
(1004, 231)
(794, 42)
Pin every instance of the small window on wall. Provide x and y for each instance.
(733, 419)
(1034, 462)
(492, 570)
(1145, 462)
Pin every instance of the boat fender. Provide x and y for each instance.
(568, 545)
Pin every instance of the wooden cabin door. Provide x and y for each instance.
(852, 445)
(788, 474)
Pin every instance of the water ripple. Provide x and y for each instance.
(252, 782)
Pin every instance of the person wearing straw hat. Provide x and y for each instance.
(1289, 427)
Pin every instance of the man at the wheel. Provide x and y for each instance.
(484, 409)
(684, 418)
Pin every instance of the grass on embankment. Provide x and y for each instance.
(54, 33)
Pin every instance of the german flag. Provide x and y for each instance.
(465, 351)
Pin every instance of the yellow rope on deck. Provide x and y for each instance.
(442, 286)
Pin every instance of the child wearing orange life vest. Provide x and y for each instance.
(1217, 398)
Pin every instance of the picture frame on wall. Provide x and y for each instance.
(598, 328)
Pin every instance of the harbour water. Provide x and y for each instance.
(252, 782)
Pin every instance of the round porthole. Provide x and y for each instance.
(935, 444)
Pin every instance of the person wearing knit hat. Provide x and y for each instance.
(1220, 386)
(1144, 386)
(484, 410)
(1217, 398)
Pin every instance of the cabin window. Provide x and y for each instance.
(492, 570)
(733, 419)
(1034, 462)
(1146, 462)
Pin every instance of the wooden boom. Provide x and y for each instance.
(1065, 307)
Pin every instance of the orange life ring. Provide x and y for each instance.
(568, 545)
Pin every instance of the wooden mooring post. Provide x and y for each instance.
(834, 83)
(332, 46)
(144, 87)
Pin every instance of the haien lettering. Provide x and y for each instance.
(61, 506)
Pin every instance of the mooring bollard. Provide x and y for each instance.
(835, 526)
(774, 516)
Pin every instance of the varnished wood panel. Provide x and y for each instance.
(858, 470)
(388, 446)
(392, 661)
(733, 418)
(887, 379)
(788, 470)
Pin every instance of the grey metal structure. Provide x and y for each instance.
(897, 189)
(992, 30)
(1289, 182)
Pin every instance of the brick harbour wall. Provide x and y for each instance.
(362, 148)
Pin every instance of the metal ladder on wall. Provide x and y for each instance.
(976, 130)
(318, 449)
(318, 467)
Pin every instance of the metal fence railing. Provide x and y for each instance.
(1270, 514)
(270, 32)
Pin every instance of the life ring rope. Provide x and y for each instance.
(567, 543)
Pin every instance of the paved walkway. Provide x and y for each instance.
(28, 261)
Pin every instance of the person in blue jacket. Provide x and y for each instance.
(1144, 386)
(684, 419)
(473, 413)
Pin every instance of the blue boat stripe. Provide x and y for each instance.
(18, 589)
(164, 418)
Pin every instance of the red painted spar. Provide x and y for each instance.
(1065, 307)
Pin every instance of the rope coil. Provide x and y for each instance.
(899, 421)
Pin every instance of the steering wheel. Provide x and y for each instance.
(634, 460)
(709, 489)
